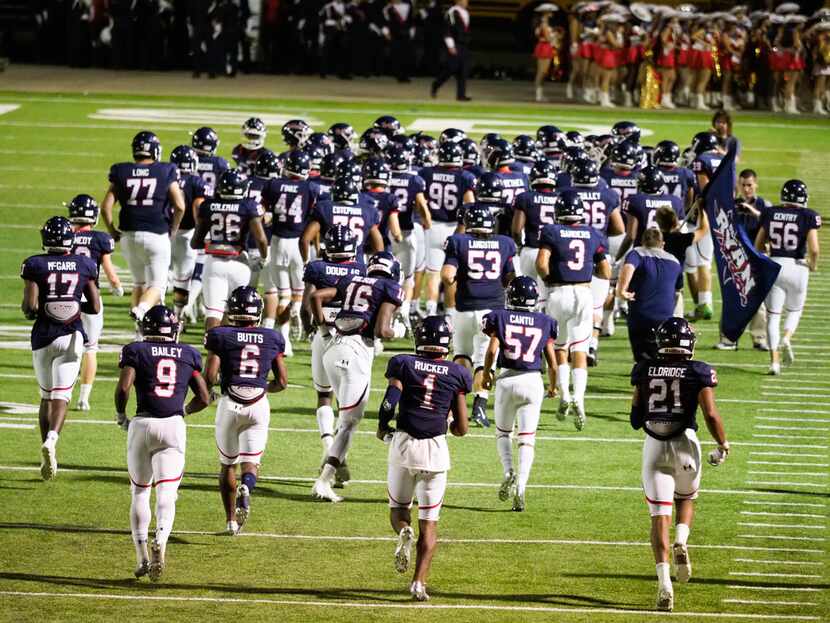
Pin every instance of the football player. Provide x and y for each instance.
(429, 393)
(96, 245)
(551, 141)
(525, 152)
(622, 169)
(500, 160)
(678, 181)
(570, 252)
(471, 157)
(143, 189)
(368, 308)
(376, 174)
(448, 186)
(290, 199)
(667, 393)
(790, 230)
(343, 135)
(479, 263)
(641, 207)
(268, 166)
(57, 288)
(161, 370)
(519, 336)
(222, 228)
(339, 249)
(194, 189)
(245, 154)
(239, 357)
(205, 142)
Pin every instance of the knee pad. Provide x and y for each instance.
(527, 439)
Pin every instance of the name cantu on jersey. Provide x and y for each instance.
(431, 368)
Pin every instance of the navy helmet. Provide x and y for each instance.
(551, 140)
(160, 324)
(315, 153)
(384, 264)
(297, 164)
(296, 132)
(328, 167)
(423, 156)
(254, 133)
(489, 188)
(478, 219)
(650, 180)
(626, 131)
(375, 172)
(524, 148)
(146, 145)
(339, 243)
(205, 140)
(471, 154)
(666, 154)
(433, 336)
(321, 140)
(543, 173)
(569, 207)
(388, 124)
(399, 158)
(675, 336)
(352, 170)
(345, 190)
(584, 172)
(245, 306)
(232, 185)
(185, 158)
(452, 135)
(522, 293)
(56, 235)
(703, 142)
(499, 154)
(83, 210)
(450, 155)
(794, 192)
(625, 155)
(268, 164)
(342, 135)
(373, 141)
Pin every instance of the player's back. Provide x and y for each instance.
(246, 355)
(539, 208)
(229, 220)
(360, 217)
(677, 180)
(322, 274)
(514, 183)
(163, 371)
(482, 263)
(707, 163)
(291, 201)
(94, 245)
(573, 252)
(599, 203)
(405, 185)
(210, 168)
(787, 229)
(193, 187)
(644, 207)
(523, 336)
(445, 188)
(653, 283)
(141, 190)
(362, 299)
(623, 182)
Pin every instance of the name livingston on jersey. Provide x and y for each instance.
(484, 244)
(669, 371)
(430, 367)
(574, 233)
(62, 265)
(522, 319)
(166, 351)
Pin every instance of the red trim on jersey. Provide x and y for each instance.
(140, 485)
(657, 503)
(572, 344)
(403, 504)
(251, 453)
(227, 456)
(530, 433)
(158, 482)
(359, 400)
(426, 508)
(57, 389)
(195, 373)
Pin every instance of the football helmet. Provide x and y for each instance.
(352, 170)
(500, 154)
(185, 159)
(489, 188)
(315, 153)
(650, 181)
(572, 155)
(675, 336)
(339, 243)
(83, 210)
(584, 172)
(245, 306)
(345, 190)
(450, 155)
(471, 154)
(375, 172)
(401, 141)
(543, 173)
(373, 141)
(56, 235)
(522, 293)
(254, 133)
(569, 207)
(342, 135)
(399, 158)
(205, 141)
(624, 155)
(426, 140)
(297, 164)
(268, 164)
(666, 154)
(703, 142)
(232, 185)
(478, 219)
(388, 124)
(160, 324)
(384, 264)
(524, 148)
(328, 167)
(574, 139)
(146, 145)
(551, 140)
(433, 336)
(296, 132)
(321, 140)
(452, 135)
(423, 156)
(794, 192)
(626, 130)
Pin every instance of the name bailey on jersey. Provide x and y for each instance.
(736, 263)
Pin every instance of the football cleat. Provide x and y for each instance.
(704, 312)
(592, 357)
(579, 414)
(563, 411)
(787, 351)
(418, 591)
(82, 405)
(480, 412)
(322, 490)
(665, 599)
(507, 486)
(403, 552)
(774, 369)
(682, 562)
(232, 528)
(342, 475)
(760, 345)
(518, 502)
(243, 505)
(142, 569)
(156, 561)
(726, 345)
(49, 460)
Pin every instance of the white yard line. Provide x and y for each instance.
(807, 504)
(788, 484)
(768, 514)
(784, 526)
(771, 473)
(756, 561)
(775, 588)
(788, 454)
(769, 537)
(788, 464)
(760, 574)
(766, 602)
(815, 420)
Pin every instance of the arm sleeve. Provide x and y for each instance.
(393, 368)
(128, 358)
(554, 329)
(450, 254)
(113, 175)
(196, 360)
(28, 271)
(633, 258)
(707, 375)
(213, 341)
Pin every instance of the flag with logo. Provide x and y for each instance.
(745, 275)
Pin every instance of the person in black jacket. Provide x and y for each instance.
(400, 28)
(456, 60)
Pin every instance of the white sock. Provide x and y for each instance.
(295, 308)
(52, 435)
(84, 392)
(580, 383)
(328, 473)
(325, 423)
(593, 342)
(704, 298)
(268, 323)
(405, 307)
(140, 521)
(450, 312)
(432, 308)
(526, 453)
(563, 380)
(483, 393)
(773, 331)
(791, 323)
(166, 494)
(141, 309)
(681, 533)
(663, 574)
(505, 448)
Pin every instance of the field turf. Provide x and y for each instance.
(579, 552)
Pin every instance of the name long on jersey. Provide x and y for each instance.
(290, 201)
(405, 185)
(322, 274)
(229, 222)
(445, 189)
(141, 190)
(482, 264)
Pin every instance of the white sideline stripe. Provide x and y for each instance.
(12, 425)
(808, 504)
(785, 526)
(768, 418)
(788, 464)
(773, 436)
(808, 387)
(760, 574)
(822, 429)
(776, 588)
(333, 605)
(770, 473)
(812, 563)
(7, 108)
(781, 538)
(766, 514)
(789, 484)
(791, 454)
(765, 602)
(778, 393)
(791, 376)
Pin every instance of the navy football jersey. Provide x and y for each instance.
(61, 280)
(624, 183)
(482, 265)
(539, 208)
(476, 169)
(656, 274)
(210, 168)
(707, 163)
(228, 224)
(385, 203)
(246, 354)
(193, 187)
(362, 298)
(445, 188)
(644, 207)
(290, 201)
(750, 223)
(668, 393)
(245, 158)
(522, 337)
(514, 184)
(405, 185)
(163, 371)
(94, 245)
(599, 203)
(255, 189)
(141, 190)
(787, 230)
(322, 274)
(429, 389)
(678, 181)
(360, 218)
(574, 249)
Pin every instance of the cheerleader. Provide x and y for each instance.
(703, 59)
(666, 58)
(547, 44)
(637, 34)
(683, 57)
(608, 54)
(821, 65)
(581, 28)
(733, 43)
(791, 58)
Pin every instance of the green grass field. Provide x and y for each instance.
(579, 552)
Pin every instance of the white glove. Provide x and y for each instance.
(399, 329)
(122, 420)
(719, 454)
(214, 396)
(117, 290)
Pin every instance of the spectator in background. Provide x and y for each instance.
(722, 127)
(78, 33)
(199, 29)
(548, 40)
(456, 61)
(334, 40)
(400, 30)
